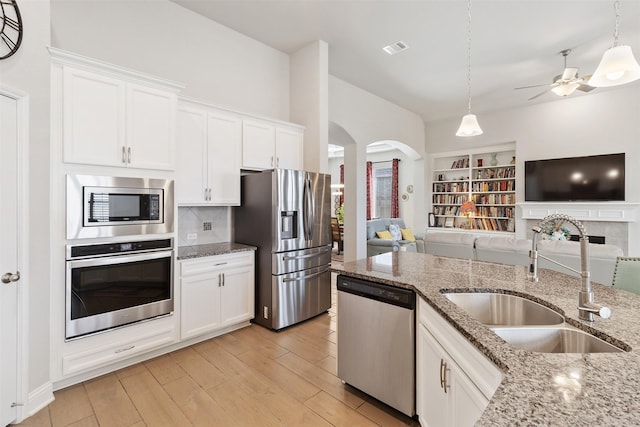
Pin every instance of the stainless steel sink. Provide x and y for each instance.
(562, 339)
(494, 309)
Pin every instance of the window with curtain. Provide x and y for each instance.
(382, 189)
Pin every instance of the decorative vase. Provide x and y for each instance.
(513, 160)
(494, 159)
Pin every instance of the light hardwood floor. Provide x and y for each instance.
(250, 377)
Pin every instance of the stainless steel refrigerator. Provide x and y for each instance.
(286, 215)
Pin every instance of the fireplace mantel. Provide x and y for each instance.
(583, 211)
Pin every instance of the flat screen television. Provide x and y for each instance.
(591, 178)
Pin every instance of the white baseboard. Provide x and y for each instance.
(37, 400)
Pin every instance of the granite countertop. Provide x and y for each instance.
(199, 251)
(538, 388)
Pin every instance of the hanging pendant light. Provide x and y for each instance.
(469, 125)
(618, 65)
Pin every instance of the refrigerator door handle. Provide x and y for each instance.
(313, 255)
(308, 210)
(308, 276)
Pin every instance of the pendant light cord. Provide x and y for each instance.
(469, 56)
(616, 7)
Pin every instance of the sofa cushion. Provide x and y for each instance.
(503, 244)
(565, 247)
(381, 224)
(394, 229)
(407, 234)
(465, 239)
(384, 235)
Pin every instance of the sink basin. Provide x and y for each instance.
(561, 339)
(494, 309)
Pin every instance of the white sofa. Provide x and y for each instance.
(602, 258)
(503, 250)
(454, 245)
(507, 250)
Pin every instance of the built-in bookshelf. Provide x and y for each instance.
(487, 179)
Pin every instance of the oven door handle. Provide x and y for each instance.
(118, 259)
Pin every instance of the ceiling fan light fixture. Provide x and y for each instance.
(469, 126)
(617, 67)
(566, 89)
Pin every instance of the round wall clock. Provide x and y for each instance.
(10, 28)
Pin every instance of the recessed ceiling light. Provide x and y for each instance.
(396, 47)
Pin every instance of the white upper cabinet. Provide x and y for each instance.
(150, 128)
(94, 118)
(258, 145)
(289, 148)
(268, 146)
(209, 156)
(116, 117)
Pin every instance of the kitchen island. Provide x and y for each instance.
(537, 388)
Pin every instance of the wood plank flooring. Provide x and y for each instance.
(250, 377)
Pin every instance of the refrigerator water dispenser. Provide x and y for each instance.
(289, 225)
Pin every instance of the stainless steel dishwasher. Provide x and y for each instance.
(376, 341)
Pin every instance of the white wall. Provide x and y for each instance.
(28, 72)
(368, 118)
(310, 101)
(218, 65)
(607, 121)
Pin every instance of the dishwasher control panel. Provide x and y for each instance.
(377, 291)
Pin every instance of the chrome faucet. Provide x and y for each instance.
(586, 307)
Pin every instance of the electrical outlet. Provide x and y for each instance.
(206, 225)
(192, 236)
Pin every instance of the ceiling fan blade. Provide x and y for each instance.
(586, 88)
(540, 94)
(529, 87)
(569, 73)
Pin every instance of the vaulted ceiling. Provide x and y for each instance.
(514, 43)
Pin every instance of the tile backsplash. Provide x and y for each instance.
(211, 224)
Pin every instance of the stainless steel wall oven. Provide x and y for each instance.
(105, 206)
(114, 284)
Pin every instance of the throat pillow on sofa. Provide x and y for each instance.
(394, 229)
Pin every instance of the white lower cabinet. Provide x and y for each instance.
(454, 380)
(216, 292)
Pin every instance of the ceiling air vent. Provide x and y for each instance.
(396, 47)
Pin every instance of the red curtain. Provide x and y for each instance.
(369, 188)
(342, 182)
(395, 208)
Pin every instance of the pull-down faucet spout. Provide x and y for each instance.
(586, 306)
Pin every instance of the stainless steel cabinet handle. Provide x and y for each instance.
(271, 161)
(209, 194)
(443, 375)
(277, 162)
(124, 154)
(10, 277)
(129, 155)
(219, 279)
(222, 279)
(206, 193)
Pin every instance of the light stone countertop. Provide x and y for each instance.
(538, 388)
(199, 251)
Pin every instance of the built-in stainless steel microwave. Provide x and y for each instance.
(105, 206)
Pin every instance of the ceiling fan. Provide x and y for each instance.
(566, 83)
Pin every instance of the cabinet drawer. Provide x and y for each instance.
(102, 355)
(215, 262)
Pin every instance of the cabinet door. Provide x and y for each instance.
(467, 402)
(200, 303)
(237, 295)
(191, 158)
(94, 111)
(224, 158)
(150, 128)
(432, 403)
(258, 145)
(289, 146)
